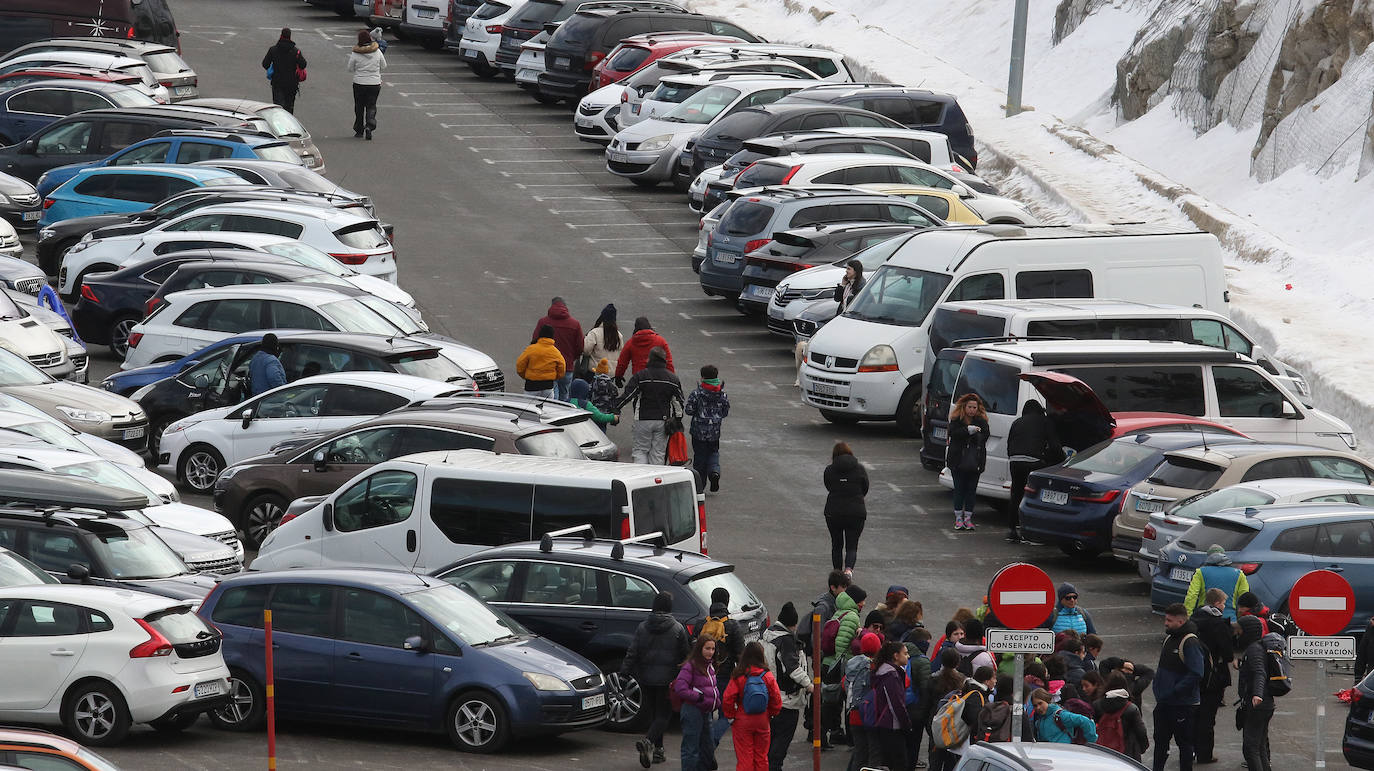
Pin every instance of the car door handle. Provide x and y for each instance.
(410, 540)
(300, 430)
(354, 656)
(1334, 568)
(62, 652)
(589, 626)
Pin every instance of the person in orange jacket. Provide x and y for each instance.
(749, 718)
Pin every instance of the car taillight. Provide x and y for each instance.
(130, 34)
(592, 59)
(156, 645)
(1249, 568)
(790, 172)
(624, 96)
(493, 29)
(1028, 490)
(48, 202)
(349, 258)
(135, 339)
(1149, 533)
(151, 306)
(167, 83)
(625, 528)
(691, 630)
(1106, 497)
(88, 294)
(756, 244)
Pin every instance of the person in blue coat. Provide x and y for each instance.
(264, 369)
(1068, 615)
(1056, 724)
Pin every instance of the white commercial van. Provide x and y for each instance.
(1131, 376)
(867, 363)
(424, 511)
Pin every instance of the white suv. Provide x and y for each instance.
(96, 659)
(482, 36)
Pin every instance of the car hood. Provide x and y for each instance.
(49, 396)
(382, 288)
(15, 268)
(852, 338)
(192, 586)
(115, 453)
(819, 277)
(654, 127)
(606, 96)
(195, 548)
(88, 224)
(189, 519)
(465, 356)
(536, 654)
(29, 337)
(12, 185)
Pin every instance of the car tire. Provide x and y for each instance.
(839, 418)
(932, 465)
(94, 713)
(432, 44)
(909, 411)
(199, 467)
(483, 70)
(624, 700)
(81, 279)
(645, 183)
(261, 515)
(119, 334)
(477, 722)
(175, 723)
(247, 706)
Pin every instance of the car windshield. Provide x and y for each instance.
(578, 30)
(17, 571)
(281, 123)
(465, 616)
(131, 98)
(430, 365)
(1213, 501)
(703, 106)
(1112, 457)
(742, 600)
(647, 76)
(549, 444)
(281, 152)
(14, 371)
(308, 256)
(392, 313)
(901, 296)
(136, 554)
(50, 433)
(352, 316)
(107, 474)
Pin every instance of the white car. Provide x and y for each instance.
(598, 114)
(482, 36)
(23, 334)
(96, 659)
(198, 447)
(353, 240)
(19, 418)
(125, 65)
(17, 571)
(9, 241)
(531, 64)
(424, 21)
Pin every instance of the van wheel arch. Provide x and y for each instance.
(909, 416)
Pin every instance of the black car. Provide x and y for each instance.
(915, 108)
(20, 203)
(802, 248)
(1357, 744)
(727, 136)
(589, 595)
(806, 143)
(74, 530)
(459, 11)
(537, 15)
(937, 399)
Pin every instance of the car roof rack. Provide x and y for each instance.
(54, 492)
(546, 540)
(659, 5)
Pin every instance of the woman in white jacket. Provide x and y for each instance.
(366, 62)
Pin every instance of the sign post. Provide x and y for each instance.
(1021, 598)
(1322, 604)
(816, 691)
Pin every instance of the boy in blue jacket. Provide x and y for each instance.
(708, 405)
(1053, 723)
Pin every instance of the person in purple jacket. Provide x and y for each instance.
(888, 733)
(695, 687)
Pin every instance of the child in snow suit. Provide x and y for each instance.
(708, 405)
(750, 731)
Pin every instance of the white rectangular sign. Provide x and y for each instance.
(1329, 648)
(1021, 641)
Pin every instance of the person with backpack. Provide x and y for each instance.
(730, 644)
(1068, 615)
(884, 713)
(1072, 654)
(906, 616)
(973, 653)
(787, 659)
(846, 484)
(918, 700)
(997, 714)
(836, 635)
(708, 405)
(1215, 632)
(285, 67)
(1053, 723)
(751, 700)
(858, 679)
(659, 645)
(695, 690)
(656, 393)
(366, 62)
(966, 455)
(1216, 572)
(1177, 686)
(1120, 726)
(958, 719)
(1256, 696)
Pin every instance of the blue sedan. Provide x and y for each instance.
(120, 189)
(125, 382)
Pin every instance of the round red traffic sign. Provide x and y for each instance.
(1321, 603)
(1021, 596)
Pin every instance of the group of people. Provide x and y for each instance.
(285, 66)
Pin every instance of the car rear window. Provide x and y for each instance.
(179, 625)
(364, 235)
(582, 430)
(674, 93)
(1228, 536)
(746, 218)
(578, 30)
(950, 326)
(281, 152)
(166, 62)
(670, 509)
(308, 180)
(1112, 457)
(490, 10)
(533, 14)
(629, 58)
(745, 124)
(742, 600)
(998, 384)
(549, 444)
(761, 174)
(1187, 473)
(1213, 501)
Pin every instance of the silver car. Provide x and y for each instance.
(82, 407)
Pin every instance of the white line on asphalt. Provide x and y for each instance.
(475, 125)
(617, 209)
(613, 255)
(737, 348)
(657, 267)
(724, 332)
(752, 367)
(524, 160)
(691, 316)
(538, 173)
(453, 92)
(671, 300)
(541, 148)
(542, 198)
(651, 285)
(456, 114)
(607, 224)
(591, 240)
(553, 184)
(441, 104)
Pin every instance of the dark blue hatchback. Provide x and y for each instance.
(392, 649)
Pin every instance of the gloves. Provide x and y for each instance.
(619, 381)
(974, 429)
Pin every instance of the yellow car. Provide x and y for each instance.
(944, 204)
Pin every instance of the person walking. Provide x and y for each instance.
(1055, 724)
(1068, 616)
(634, 354)
(603, 339)
(966, 455)
(1120, 726)
(848, 605)
(656, 393)
(603, 391)
(567, 336)
(729, 647)
(1216, 573)
(659, 645)
(366, 63)
(695, 689)
(846, 484)
(265, 371)
(892, 723)
(787, 659)
(850, 285)
(1177, 684)
(975, 691)
(1256, 699)
(751, 701)
(285, 64)
(582, 397)
(708, 405)
(1215, 632)
(1032, 444)
(541, 364)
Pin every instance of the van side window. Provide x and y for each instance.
(481, 513)
(558, 507)
(1218, 335)
(949, 326)
(997, 384)
(985, 286)
(1145, 389)
(1245, 393)
(1039, 284)
(384, 498)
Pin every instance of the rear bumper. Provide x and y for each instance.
(563, 85)
(1090, 524)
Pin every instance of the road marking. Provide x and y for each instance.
(539, 173)
(671, 300)
(524, 185)
(648, 285)
(752, 367)
(724, 332)
(591, 240)
(613, 255)
(606, 224)
(524, 160)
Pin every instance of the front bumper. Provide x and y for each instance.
(23, 217)
(864, 395)
(656, 165)
(597, 126)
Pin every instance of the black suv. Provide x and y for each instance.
(536, 15)
(74, 530)
(726, 136)
(459, 11)
(914, 108)
(587, 36)
(589, 595)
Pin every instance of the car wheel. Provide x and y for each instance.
(839, 418)
(246, 708)
(96, 715)
(624, 700)
(199, 466)
(261, 515)
(433, 44)
(483, 70)
(909, 411)
(119, 335)
(644, 182)
(1080, 550)
(932, 465)
(477, 723)
(175, 723)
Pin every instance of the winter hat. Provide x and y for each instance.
(658, 356)
(546, 330)
(581, 389)
(663, 602)
(1248, 600)
(895, 595)
(870, 644)
(642, 323)
(1067, 588)
(1216, 555)
(856, 594)
(875, 617)
(1118, 693)
(603, 367)
(720, 594)
(1250, 629)
(788, 615)
(607, 314)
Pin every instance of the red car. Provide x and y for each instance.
(635, 52)
(63, 72)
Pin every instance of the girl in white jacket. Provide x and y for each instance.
(366, 62)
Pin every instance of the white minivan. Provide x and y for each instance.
(1131, 376)
(867, 363)
(425, 511)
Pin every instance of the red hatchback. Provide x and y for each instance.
(635, 52)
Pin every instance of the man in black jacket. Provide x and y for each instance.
(283, 59)
(1256, 701)
(653, 389)
(1215, 632)
(659, 647)
(1032, 443)
(788, 663)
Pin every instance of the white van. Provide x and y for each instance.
(424, 511)
(1131, 376)
(867, 364)
(988, 320)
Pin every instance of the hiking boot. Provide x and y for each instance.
(646, 749)
(659, 757)
(714, 478)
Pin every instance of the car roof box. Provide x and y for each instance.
(55, 491)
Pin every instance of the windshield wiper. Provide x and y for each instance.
(495, 640)
(727, 138)
(671, 119)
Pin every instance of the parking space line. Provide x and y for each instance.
(671, 300)
(494, 161)
(591, 240)
(539, 173)
(651, 285)
(613, 255)
(725, 332)
(554, 184)
(692, 316)
(632, 268)
(736, 349)
(606, 224)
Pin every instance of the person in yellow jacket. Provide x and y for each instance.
(541, 364)
(1216, 572)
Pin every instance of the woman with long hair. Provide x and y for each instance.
(603, 339)
(366, 63)
(695, 688)
(966, 454)
(850, 285)
(888, 734)
(750, 727)
(847, 483)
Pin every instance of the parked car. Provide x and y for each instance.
(130, 658)
(166, 63)
(423, 21)
(27, 108)
(281, 174)
(282, 124)
(24, 335)
(148, 82)
(11, 249)
(482, 36)
(121, 189)
(17, 571)
(92, 410)
(120, 19)
(420, 655)
(74, 72)
(575, 421)
(1357, 743)
(590, 596)
(1043, 756)
(20, 422)
(635, 52)
(677, 86)
(20, 203)
(803, 248)
(915, 108)
(255, 492)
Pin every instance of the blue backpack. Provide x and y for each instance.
(755, 698)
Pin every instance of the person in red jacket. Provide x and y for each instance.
(750, 730)
(634, 353)
(567, 336)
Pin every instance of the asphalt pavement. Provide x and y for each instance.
(498, 207)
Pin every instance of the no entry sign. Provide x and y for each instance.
(1321, 603)
(1021, 596)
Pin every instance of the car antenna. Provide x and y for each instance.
(407, 568)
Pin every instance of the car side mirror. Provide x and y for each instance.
(961, 191)
(1289, 411)
(319, 459)
(79, 573)
(329, 517)
(417, 643)
(29, 147)
(247, 416)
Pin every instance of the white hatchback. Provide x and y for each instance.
(482, 36)
(96, 659)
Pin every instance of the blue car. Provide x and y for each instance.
(121, 189)
(28, 108)
(1274, 546)
(393, 649)
(1072, 505)
(180, 146)
(125, 382)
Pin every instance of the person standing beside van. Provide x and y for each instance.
(656, 393)
(850, 285)
(1032, 444)
(366, 62)
(966, 454)
(284, 64)
(846, 483)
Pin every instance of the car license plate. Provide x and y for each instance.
(634, 109)
(825, 389)
(1148, 507)
(426, 13)
(726, 258)
(212, 688)
(185, 90)
(598, 700)
(467, 53)
(1181, 574)
(30, 216)
(582, 121)
(562, 62)
(759, 292)
(1054, 496)
(135, 433)
(618, 157)
(939, 434)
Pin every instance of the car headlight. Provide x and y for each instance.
(180, 425)
(46, 233)
(880, 358)
(229, 472)
(4, 198)
(820, 294)
(543, 682)
(84, 416)
(1349, 439)
(80, 246)
(140, 393)
(656, 143)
